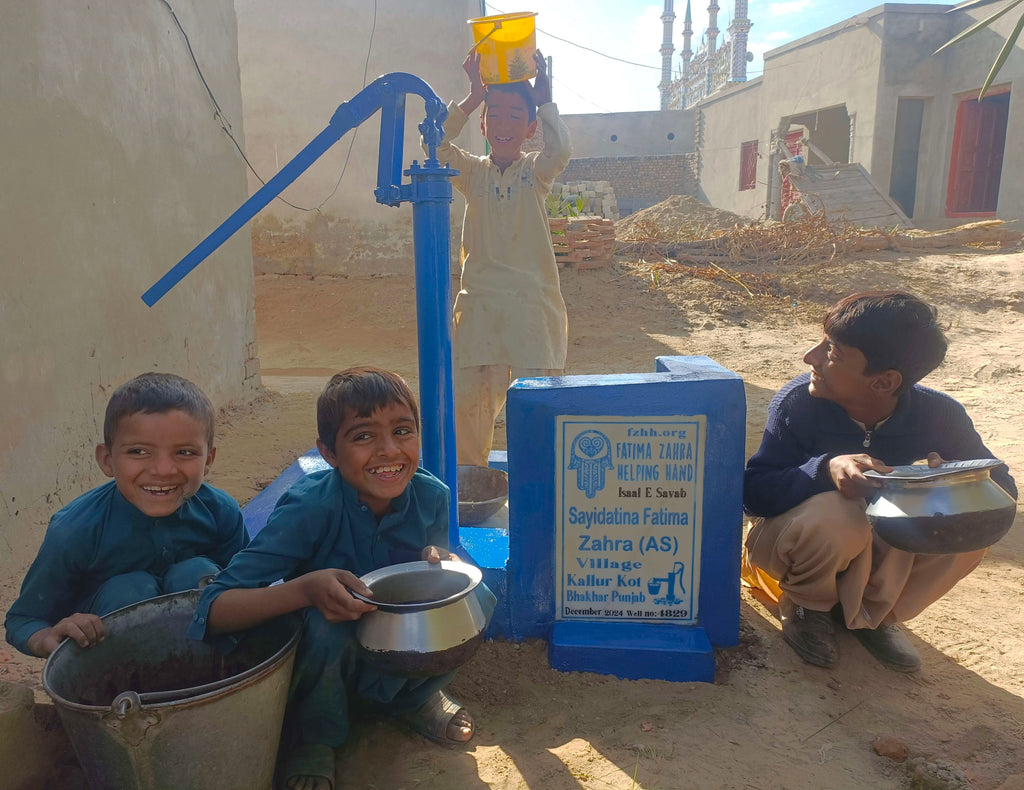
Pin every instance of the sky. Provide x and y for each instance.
(631, 30)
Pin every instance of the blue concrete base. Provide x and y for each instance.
(488, 550)
(633, 650)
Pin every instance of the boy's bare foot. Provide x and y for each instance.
(460, 726)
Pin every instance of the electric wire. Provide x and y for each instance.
(225, 125)
(352, 142)
(589, 49)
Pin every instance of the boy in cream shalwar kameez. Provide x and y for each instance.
(509, 317)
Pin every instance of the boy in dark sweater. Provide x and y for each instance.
(859, 408)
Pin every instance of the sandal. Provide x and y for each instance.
(432, 719)
(310, 759)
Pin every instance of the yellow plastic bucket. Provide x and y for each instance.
(506, 43)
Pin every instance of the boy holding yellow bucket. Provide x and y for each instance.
(509, 316)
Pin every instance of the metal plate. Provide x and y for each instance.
(925, 472)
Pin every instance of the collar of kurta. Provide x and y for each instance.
(399, 504)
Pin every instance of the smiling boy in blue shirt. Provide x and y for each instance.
(156, 528)
(374, 507)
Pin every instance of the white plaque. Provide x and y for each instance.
(628, 498)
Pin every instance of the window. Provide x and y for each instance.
(748, 165)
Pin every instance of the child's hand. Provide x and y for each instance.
(541, 88)
(327, 590)
(435, 554)
(848, 474)
(471, 65)
(86, 629)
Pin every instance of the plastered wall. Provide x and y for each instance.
(300, 60)
(115, 166)
(865, 64)
(621, 134)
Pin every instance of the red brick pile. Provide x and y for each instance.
(583, 242)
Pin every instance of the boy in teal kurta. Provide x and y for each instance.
(374, 507)
(156, 528)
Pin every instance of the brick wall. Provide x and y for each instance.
(638, 181)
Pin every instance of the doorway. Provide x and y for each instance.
(976, 163)
(905, 150)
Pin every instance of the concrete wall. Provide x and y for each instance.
(726, 122)
(943, 81)
(299, 60)
(834, 67)
(638, 181)
(864, 65)
(114, 168)
(631, 133)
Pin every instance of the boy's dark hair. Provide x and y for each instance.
(894, 330)
(155, 393)
(361, 390)
(520, 88)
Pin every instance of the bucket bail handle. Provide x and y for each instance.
(124, 702)
(495, 29)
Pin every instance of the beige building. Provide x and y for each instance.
(115, 166)
(299, 60)
(869, 90)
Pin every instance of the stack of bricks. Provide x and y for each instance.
(598, 197)
(583, 242)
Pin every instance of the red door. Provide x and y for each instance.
(794, 145)
(977, 160)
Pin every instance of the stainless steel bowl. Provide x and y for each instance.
(950, 509)
(483, 491)
(428, 619)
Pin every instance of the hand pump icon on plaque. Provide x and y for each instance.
(654, 586)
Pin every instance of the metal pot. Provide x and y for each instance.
(953, 508)
(149, 709)
(483, 491)
(428, 619)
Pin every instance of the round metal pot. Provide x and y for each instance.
(953, 508)
(428, 619)
(483, 491)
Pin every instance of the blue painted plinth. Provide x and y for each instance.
(487, 548)
(633, 650)
(259, 508)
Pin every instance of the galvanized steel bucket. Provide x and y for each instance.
(149, 709)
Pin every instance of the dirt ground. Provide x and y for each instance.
(769, 720)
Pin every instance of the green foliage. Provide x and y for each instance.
(981, 24)
(558, 206)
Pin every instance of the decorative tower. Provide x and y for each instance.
(667, 18)
(687, 53)
(738, 30)
(712, 28)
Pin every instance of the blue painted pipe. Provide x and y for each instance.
(431, 196)
(430, 192)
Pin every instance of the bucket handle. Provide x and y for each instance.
(124, 702)
(495, 29)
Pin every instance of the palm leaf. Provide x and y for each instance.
(980, 24)
(1004, 53)
(969, 4)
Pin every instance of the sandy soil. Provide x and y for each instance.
(769, 721)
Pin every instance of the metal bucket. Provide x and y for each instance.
(149, 709)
